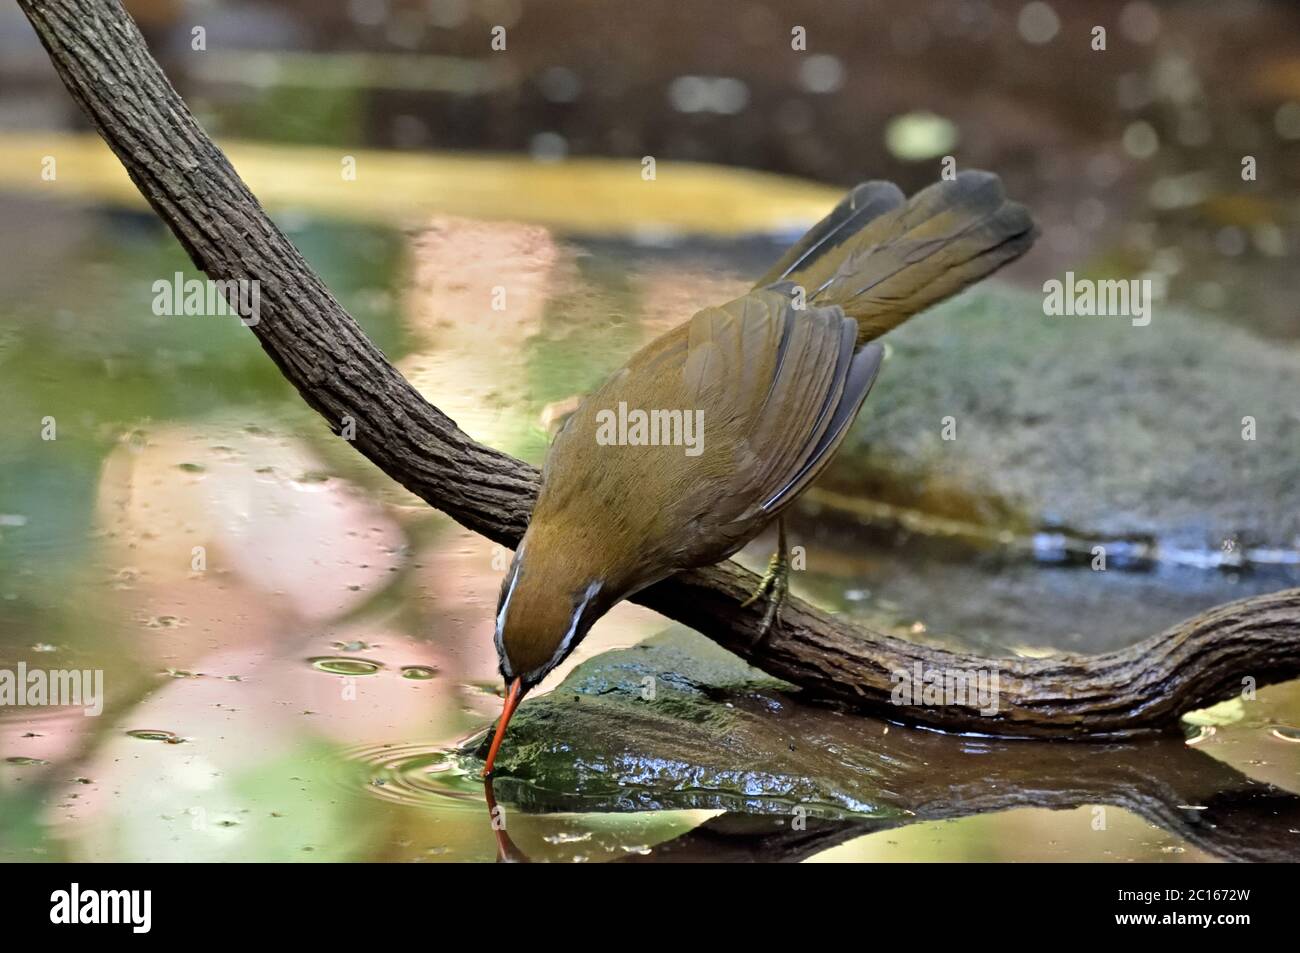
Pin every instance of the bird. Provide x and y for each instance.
(710, 431)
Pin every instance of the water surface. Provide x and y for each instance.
(293, 647)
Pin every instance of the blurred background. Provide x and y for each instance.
(293, 646)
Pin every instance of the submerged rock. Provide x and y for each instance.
(1087, 423)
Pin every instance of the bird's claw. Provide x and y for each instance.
(775, 585)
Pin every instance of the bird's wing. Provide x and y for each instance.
(783, 385)
(768, 389)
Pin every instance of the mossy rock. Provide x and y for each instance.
(1086, 423)
(678, 723)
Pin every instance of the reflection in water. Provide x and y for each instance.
(1201, 801)
(923, 777)
(507, 852)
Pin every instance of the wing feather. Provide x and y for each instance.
(787, 385)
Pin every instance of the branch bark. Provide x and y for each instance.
(102, 59)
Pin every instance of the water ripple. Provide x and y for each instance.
(422, 775)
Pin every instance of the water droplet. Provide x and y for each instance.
(418, 672)
(22, 760)
(191, 467)
(154, 734)
(338, 665)
(1286, 733)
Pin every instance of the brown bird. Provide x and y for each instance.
(709, 432)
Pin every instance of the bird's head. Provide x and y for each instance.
(546, 608)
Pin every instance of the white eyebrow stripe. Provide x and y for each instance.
(499, 637)
(573, 627)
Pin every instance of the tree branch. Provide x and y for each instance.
(320, 349)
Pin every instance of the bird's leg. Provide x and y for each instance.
(775, 584)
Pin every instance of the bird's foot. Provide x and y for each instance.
(775, 586)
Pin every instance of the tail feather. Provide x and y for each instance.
(884, 267)
(866, 202)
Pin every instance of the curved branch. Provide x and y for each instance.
(103, 61)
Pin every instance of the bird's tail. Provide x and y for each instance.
(883, 258)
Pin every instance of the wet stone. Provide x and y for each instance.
(678, 723)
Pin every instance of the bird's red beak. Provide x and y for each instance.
(512, 702)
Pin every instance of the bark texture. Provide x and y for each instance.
(102, 59)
